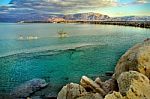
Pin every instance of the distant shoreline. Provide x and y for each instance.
(141, 24)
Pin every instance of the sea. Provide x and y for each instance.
(90, 50)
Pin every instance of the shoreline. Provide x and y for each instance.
(141, 24)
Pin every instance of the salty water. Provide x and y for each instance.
(89, 50)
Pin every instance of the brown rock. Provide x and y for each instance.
(109, 85)
(98, 81)
(134, 82)
(132, 85)
(71, 91)
(136, 58)
(90, 84)
(90, 96)
(114, 95)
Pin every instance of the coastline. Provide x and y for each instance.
(141, 24)
(125, 81)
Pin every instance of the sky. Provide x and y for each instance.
(3, 2)
(113, 8)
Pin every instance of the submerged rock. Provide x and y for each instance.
(71, 91)
(132, 85)
(29, 87)
(136, 58)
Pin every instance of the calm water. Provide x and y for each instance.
(89, 50)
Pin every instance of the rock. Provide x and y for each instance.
(36, 97)
(132, 85)
(90, 84)
(29, 87)
(109, 85)
(90, 96)
(136, 58)
(134, 82)
(114, 95)
(98, 81)
(71, 91)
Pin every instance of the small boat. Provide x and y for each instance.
(62, 34)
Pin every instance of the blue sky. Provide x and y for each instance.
(4, 2)
(109, 7)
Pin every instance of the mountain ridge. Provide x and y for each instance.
(78, 16)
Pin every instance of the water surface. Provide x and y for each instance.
(89, 50)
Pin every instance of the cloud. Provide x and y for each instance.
(143, 1)
(62, 6)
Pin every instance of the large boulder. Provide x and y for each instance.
(71, 91)
(136, 58)
(134, 82)
(132, 85)
(29, 87)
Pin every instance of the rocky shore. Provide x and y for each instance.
(131, 80)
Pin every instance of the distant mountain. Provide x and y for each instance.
(34, 16)
(43, 17)
(41, 10)
(86, 16)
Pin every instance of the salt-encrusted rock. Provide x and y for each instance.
(29, 87)
(135, 82)
(132, 85)
(136, 58)
(71, 91)
(90, 96)
(90, 84)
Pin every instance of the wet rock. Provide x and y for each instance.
(90, 96)
(90, 84)
(71, 91)
(132, 85)
(29, 87)
(136, 58)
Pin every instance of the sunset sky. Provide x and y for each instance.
(112, 8)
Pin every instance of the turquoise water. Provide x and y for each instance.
(89, 50)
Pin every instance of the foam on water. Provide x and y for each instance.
(52, 49)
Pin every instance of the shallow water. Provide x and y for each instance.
(89, 50)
